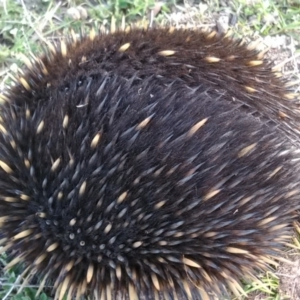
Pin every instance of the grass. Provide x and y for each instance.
(26, 26)
(269, 17)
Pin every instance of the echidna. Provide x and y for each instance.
(148, 164)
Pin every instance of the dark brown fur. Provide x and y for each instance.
(192, 184)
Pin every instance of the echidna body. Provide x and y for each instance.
(148, 164)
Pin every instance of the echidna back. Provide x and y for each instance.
(148, 163)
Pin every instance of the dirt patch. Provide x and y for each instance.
(289, 274)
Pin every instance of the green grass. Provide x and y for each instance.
(26, 26)
(269, 17)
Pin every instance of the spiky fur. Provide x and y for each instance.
(148, 163)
